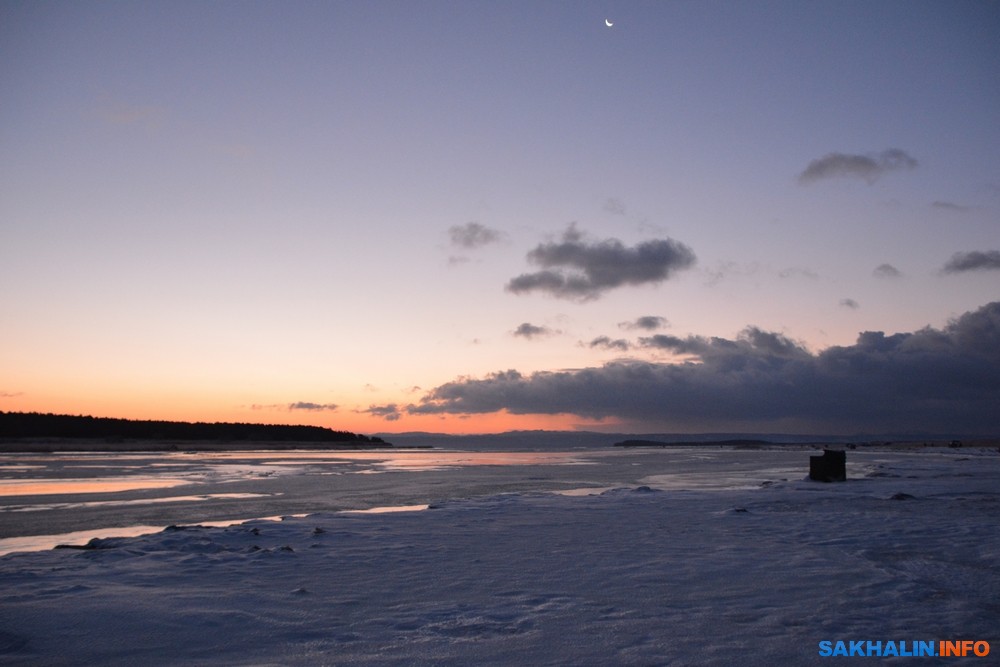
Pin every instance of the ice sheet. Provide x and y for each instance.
(908, 550)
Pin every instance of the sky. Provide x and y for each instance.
(470, 217)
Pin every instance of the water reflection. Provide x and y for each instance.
(80, 537)
(405, 459)
(75, 475)
(388, 510)
(327, 481)
(585, 491)
(42, 542)
(137, 501)
(71, 474)
(41, 487)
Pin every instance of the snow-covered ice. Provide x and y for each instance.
(753, 574)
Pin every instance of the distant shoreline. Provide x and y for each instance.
(41, 445)
(979, 443)
(44, 445)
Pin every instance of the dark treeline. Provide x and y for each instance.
(38, 425)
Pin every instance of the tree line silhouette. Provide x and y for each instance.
(48, 425)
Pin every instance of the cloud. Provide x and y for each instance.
(472, 235)
(750, 338)
(949, 206)
(798, 272)
(935, 380)
(645, 323)
(730, 270)
(607, 343)
(315, 407)
(581, 271)
(298, 405)
(850, 303)
(527, 330)
(389, 412)
(614, 205)
(973, 261)
(677, 345)
(867, 167)
(886, 271)
(11, 394)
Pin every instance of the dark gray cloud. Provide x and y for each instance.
(389, 412)
(645, 323)
(576, 269)
(886, 271)
(528, 330)
(939, 380)
(607, 343)
(973, 261)
(750, 339)
(472, 235)
(850, 303)
(688, 345)
(868, 167)
(316, 407)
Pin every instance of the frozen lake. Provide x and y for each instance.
(695, 556)
(46, 499)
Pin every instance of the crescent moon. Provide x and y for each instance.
(608, 22)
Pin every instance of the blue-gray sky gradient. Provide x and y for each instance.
(216, 211)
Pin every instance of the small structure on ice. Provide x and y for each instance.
(830, 467)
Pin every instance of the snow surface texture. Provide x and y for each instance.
(630, 576)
